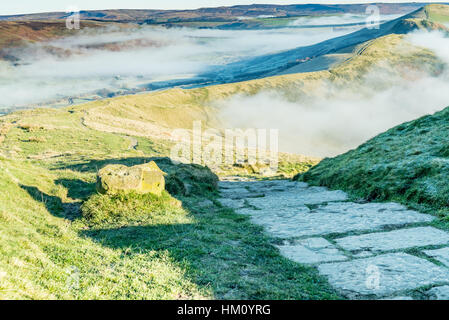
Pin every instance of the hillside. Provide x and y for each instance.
(48, 169)
(276, 63)
(160, 251)
(153, 114)
(437, 13)
(22, 42)
(21, 33)
(408, 163)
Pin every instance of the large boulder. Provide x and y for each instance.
(144, 178)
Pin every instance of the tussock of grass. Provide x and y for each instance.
(132, 208)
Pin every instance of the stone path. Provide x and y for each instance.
(365, 250)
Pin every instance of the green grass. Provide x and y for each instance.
(54, 228)
(125, 209)
(223, 252)
(437, 13)
(160, 252)
(41, 248)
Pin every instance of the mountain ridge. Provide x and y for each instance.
(232, 12)
(262, 66)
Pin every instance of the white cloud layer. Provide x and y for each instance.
(338, 19)
(340, 120)
(146, 54)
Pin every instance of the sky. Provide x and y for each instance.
(33, 6)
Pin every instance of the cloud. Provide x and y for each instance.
(436, 41)
(121, 60)
(341, 119)
(338, 19)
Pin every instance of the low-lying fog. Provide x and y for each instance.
(347, 18)
(340, 120)
(119, 60)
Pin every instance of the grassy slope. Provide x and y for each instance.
(192, 252)
(48, 164)
(438, 13)
(153, 115)
(408, 163)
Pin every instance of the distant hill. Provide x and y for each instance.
(319, 57)
(17, 30)
(278, 63)
(18, 33)
(220, 13)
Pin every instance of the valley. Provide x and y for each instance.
(45, 44)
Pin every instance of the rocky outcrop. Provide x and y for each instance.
(145, 178)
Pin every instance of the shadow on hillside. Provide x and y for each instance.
(77, 189)
(136, 239)
(95, 165)
(188, 245)
(54, 204)
(219, 252)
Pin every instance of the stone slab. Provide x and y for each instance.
(299, 221)
(363, 208)
(382, 275)
(363, 254)
(282, 223)
(394, 240)
(232, 203)
(312, 250)
(295, 197)
(440, 293)
(276, 186)
(441, 255)
(240, 193)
